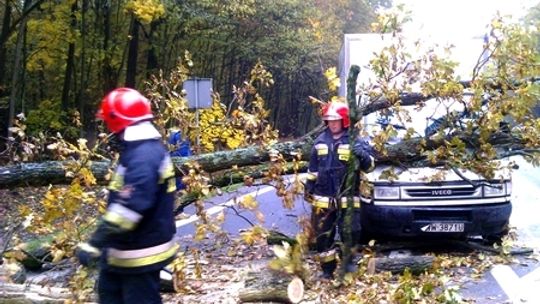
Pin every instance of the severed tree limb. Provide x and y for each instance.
(272, 286)
(415, 264)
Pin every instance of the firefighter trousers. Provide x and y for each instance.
(140, 288)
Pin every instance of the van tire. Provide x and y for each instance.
(496, 238)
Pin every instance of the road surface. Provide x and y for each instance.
(516, 283)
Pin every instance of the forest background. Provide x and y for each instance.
(59, 58)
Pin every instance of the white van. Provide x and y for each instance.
(412, 204)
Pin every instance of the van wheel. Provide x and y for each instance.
(496, 238)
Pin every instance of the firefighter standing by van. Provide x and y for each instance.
(134, 239)
(326, 177)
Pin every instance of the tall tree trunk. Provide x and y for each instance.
(5, 31)
(133, 53)
(17, 67)
(8, 27)
(107, 71)
(351, 180)
(151, 59)
(82, 87)
(70, 61)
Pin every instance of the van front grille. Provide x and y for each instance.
(419, 192)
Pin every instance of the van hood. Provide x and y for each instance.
(428, 174)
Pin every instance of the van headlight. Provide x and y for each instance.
(385, 192)
(494, 190)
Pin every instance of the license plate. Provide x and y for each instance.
(444, 227)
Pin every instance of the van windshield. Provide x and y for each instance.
(425, 120)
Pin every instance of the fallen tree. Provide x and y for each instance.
(55, 172)
(405, 153)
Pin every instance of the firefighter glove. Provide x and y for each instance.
(87, 254)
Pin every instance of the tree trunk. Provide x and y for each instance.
(133, 54)
(53, 172)
(109, 77)
(17, 68)
(232, 176)
(415, 264)
(351, 179)
(44, 173)
(151, 57)
(22, 293)
(82, 88)
(272, 286)
(6, 20)
(8, 27)
(70, 61)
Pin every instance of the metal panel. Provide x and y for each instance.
(198, 92)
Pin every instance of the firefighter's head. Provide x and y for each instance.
(123, 107)
(336, 116)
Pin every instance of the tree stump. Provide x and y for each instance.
(415, 264)
(23, 294)
(271, 286)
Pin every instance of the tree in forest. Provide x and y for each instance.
(75, 51)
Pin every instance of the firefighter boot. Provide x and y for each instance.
(328, 269)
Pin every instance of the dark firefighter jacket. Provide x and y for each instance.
(328, 162)
(136, 232)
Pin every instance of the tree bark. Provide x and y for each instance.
(232, 176)
(272, 286)
(133, 54)
(415, 264)
(53, 172)
(22, 293)
(6, 20)
(70, 62)
(351, 178)
(44, 173)
(404, 153)
(16, 78)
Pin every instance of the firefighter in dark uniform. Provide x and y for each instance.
(134, 239)
(325, 182)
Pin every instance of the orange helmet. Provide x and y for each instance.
(336, 111)
(123, 107)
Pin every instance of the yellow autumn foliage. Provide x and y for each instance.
(332, 79)
(146, 11)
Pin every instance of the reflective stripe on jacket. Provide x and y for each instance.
(140, 204)
(328, 162)
(325, 202)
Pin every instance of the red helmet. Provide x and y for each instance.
(336, 111)
(123, 107)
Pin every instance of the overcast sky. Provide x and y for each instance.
(447, 19)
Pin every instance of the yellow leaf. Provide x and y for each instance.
(57, 255)
(249, 202)
(205, 191)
